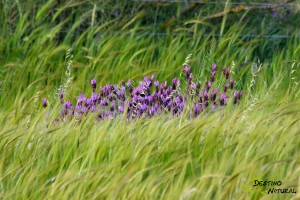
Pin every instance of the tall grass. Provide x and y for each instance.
(216, 156)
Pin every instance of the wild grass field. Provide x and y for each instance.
(47, 44)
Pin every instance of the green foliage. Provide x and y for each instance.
(216, 156)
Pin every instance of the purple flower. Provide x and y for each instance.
(214, 67)
(119, 93)
(163, 86)
(201, 97)
(213, 95)
(101, 116)
(181, 105)
(214, 106)
(152, 111)
(227, 71)
(150, 98)
(80, 99)
(112, 107)
(236, 96)
(169, 106)
(104, 102)
(231, 83)
(223, 99)
(225, 87)
(56, 121)
(44, 100)
(216, 90)
(94, 97)
(197, 109)
(193, 85)
(174, 83)
(187, 71)
(88, 102)
(93, 82)
(213, 74)
(205, 95)
(143, 107)
(112, 99)
(152, 77)
(68, 105)
(78, 108)
(191, 77)
(123, 83)
(147, 82)
(146, 78)
(67, 109)
(121, 109)
(208, 85)
(206, 104)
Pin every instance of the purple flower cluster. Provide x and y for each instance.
(151, 98)
(209, 97)
(282, 13)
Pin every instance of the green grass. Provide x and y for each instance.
(216, 156)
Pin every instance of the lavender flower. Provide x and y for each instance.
(236, 96)
(67, 109)
(94, 97)
(208, 85)
(152, 77)
(93, 108)
(123, 83)
(121, 109)
(187, 71)
(197, 109)
(193, 86)
(214, 106)
(93, 82)
(104, 102)
(175, 83)
(44, 102)
(273, 11)
(213, 96)
(223, 99)
(190, 77)
(201, 97)
(227, 71)
(112, 99)
(213, 74)
(214, 67)
(231, 83)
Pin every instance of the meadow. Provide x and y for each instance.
(47, 45)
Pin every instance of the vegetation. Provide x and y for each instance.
(47, 45)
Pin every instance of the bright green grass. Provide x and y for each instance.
(212, 157)
(216, 156)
